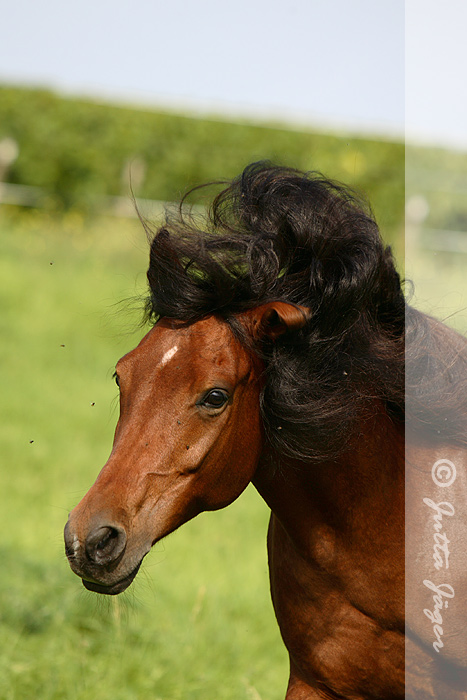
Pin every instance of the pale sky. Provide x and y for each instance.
(326, 63)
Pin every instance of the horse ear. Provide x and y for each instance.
(276, 318)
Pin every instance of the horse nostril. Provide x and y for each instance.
(104, 544)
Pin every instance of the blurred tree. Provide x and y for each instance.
(77, 150)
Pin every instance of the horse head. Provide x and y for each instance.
(188, 439)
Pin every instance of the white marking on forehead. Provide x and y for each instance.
(168, 356)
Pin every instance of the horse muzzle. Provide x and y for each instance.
(100, 557)
(113, 589)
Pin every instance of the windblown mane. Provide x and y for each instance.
(278, 234)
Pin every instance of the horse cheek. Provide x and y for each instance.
(235, 465)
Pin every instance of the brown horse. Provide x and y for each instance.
(277, 357)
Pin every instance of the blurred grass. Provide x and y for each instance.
(197, 622)
(439, 285)
(436, 213)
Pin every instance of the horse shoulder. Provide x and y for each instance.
(332, 644)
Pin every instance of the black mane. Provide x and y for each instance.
(278, 234)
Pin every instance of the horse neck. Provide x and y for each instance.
(350, 494)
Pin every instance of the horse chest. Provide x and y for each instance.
(333, 646)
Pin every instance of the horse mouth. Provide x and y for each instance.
(114, 588)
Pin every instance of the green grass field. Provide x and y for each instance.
(198, 622)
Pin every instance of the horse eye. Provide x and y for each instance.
(215, 398)
(115, 376)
